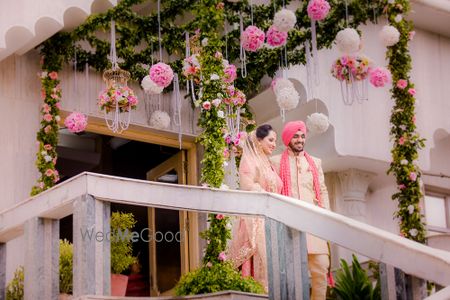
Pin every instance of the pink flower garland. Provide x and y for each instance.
(76, 122)
(161, 74)
(276, 38)
(379, 77)
(318, 9)
(252, 38)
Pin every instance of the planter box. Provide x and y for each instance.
(226, 295)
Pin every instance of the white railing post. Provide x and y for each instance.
(91, 247)
(387, 282)
(41, 268)
(287, 262)
(2, 271)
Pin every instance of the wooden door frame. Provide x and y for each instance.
(145, 134)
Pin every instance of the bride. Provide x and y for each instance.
(256, 173)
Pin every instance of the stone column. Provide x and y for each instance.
(354, 184)
(42, 259)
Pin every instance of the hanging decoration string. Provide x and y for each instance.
(242, 55)
(346, 13)
(75, 81)
(309, 70)
(251, 11)
(112, 51)
(87, 86)
(177, 110)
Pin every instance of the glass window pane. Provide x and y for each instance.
(435, 211)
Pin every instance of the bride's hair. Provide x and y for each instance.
(263, 131)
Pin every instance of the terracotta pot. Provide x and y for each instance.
(118, 284)
(65, 297)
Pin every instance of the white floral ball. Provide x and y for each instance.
(288, 98)
(150, 87)
(281, 83)
(284, 20)
(317, 123)
(348, 40)
(160, 120)
(389, 35)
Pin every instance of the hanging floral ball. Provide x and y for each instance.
(318, 9)
(252, 38)
(275, 37)
(281, 83)
(284, 20)
(161, 74)
(230, 73)
(160, 119)
(121, 96)
(150, 87)
(379, 77)
(317, 123)
(389, 35)
(288, 98)
(348, 40)
(76, 122)
(191, 66)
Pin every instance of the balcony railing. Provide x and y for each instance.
(88, 197)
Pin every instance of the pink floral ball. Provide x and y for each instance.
(230, 74)
(76, 122)
(318, 9)
(276, 38)
(379, 77)
(161, 74)
(252, 38)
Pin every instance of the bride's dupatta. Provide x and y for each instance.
(247, 250)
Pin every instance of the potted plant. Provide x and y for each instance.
(121, 251)
(65, 269)
(15, 288)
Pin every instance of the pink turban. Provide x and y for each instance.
(290, 129)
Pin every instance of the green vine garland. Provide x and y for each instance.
(47, 136)
(407, 141)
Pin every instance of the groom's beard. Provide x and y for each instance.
(297, 147)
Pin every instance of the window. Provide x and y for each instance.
(437, 212)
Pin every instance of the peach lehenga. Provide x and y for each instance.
(248, 246)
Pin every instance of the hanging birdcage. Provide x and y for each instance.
(117, 99)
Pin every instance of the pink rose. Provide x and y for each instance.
(219, 217)
(222, 256)
(413, 119)
(48, 147)
(206, 105)
(412, 91)
(401, 186)
(49, 172)
(276, 38)
(230, 74)
(318, 9)
(402, 83)
(53, 75)
(47, 129)
(413, 176)
(76, 122)
(216, 102)
(379, 77)
(226, 153)
(218, 55)
(401, 140)
(411, 35)
(43, 94)
(48, 117)
(209, 264)
(58, 105)
(46, 108)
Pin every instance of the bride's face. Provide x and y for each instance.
(269, 143)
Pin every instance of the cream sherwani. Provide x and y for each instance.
(302, 188)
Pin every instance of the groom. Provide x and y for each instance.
(303, 179)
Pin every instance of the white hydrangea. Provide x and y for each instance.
(348, 40)
(47, 158)
(410, 209)
(284, 20)
(413, 232)
(389, 35)
(281, 83)
(221, 114)
(150, 87)
(160, 120)
(288, 98)
(398, 18)
(317, 123)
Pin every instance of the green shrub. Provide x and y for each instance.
(14, 290)
(354, 284)
(218, 277)
(121, 244)
(65, 266)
